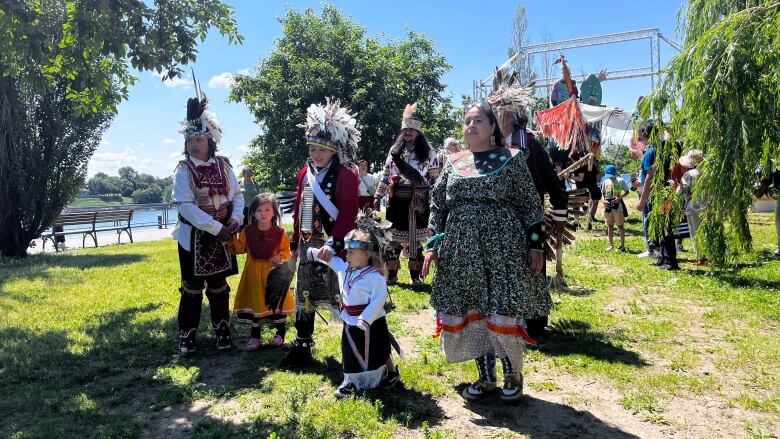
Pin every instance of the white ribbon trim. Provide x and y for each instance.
(331, 208)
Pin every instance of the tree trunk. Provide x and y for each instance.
(13, 239)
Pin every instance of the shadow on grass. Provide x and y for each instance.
(575, 337)
(735, 277)
(537, 418)
(421, 288)
(35, 267)
(410, 407)
(53, 384)
(111, 377)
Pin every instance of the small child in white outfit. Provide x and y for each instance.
(366, 340)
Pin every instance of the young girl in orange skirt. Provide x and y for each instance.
(267, 246)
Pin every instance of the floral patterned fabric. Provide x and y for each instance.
(485, 203)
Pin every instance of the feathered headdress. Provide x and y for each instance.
(379, 231)
(410, 118)
(331, 126)
(508, 96)
(199, 121)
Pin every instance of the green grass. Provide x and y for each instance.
(97, 202)
(87, 350)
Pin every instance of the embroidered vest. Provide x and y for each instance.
(262, 244)
(210, 186)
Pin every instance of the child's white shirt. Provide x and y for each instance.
(364, 286)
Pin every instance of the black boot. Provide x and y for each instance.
(299, 356)
(187, 341)
(222, 331)
(415, 265)
(189, 318)
(392, 277)
(220, 313)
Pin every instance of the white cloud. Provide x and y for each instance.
(127, 155)
(174, 82)
(242, 148)
(104, 142)
(223, 80)
(169, 141)
(175, 155)
(110, 162)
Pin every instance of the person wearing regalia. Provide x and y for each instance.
(326, 203)
(365, 340)
(510, 105)
(208, 198)
(411, 168)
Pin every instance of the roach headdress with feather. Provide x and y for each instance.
(379, 231)
(331, 126)
(509, 96)
(199, 121)
(410, 118)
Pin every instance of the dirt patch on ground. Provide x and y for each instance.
(572, 407)
(176, 422)
(416, 326)
(556, 405)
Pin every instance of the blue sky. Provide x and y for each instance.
(472, 35)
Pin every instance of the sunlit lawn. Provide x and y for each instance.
(87, 348)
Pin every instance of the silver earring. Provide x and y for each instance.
(492, 140)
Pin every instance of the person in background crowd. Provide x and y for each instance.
(693, 205)
(411, 168)
(511, 107)
(675, 175)
(645, 178)
(249, 190)
(614, 189)
(367, 186)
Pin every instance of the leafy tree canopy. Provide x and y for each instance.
(64, 69)
(721, 94)
(330, 55)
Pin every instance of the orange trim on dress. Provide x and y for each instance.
(517, 331)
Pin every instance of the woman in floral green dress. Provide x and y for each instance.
(488, 233)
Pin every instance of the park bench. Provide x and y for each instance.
(89, 224)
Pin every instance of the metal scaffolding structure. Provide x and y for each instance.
(653, 36)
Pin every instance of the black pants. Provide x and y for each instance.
(304, 324)
(669, 249)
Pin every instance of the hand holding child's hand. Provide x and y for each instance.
(325, 254)
(224, 234)
(233, 226)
